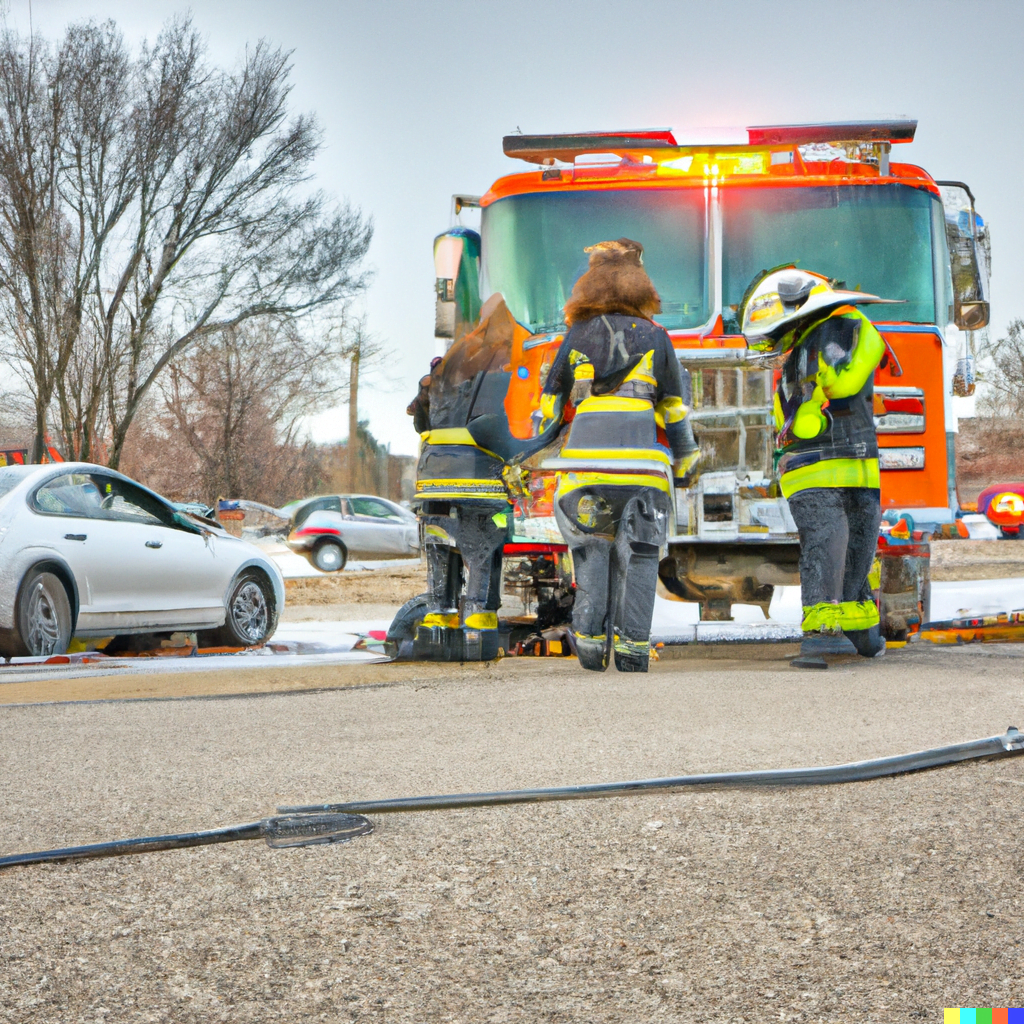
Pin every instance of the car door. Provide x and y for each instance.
(384, 530)
(134, 571)
(72, 521)
(182, 581)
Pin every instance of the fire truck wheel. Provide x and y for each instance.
(330, 556)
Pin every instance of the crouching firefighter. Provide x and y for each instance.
(461, 498)
(827, 450)
(614, 493)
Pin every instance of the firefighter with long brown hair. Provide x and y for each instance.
(616, 366)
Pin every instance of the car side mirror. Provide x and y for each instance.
(183, 522)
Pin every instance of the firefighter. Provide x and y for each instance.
(827, 451)
(613, 498)
(461, 496)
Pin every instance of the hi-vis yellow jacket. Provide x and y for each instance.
(824, 415)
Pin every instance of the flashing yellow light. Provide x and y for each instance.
(752, 163)
(716, 165)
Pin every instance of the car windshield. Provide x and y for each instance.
(877, 239)
(11, 476)
(533, 249)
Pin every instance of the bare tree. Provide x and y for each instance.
(233, 409)
(1003, 372)
(149, 203)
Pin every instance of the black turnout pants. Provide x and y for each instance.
(468, 541)
(838, 536)
(615, 535)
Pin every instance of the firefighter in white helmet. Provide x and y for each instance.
(826, 450)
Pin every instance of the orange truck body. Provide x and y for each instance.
(913, 384)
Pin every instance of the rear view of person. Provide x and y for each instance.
(827, 449)
(613, 499)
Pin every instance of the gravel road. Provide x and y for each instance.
(881, 901)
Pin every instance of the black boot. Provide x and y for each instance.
(632, 655)
(869, 642)
(592, 652)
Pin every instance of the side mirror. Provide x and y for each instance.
(968, 242)
(184, 522)
(973, 316)
(457, 273)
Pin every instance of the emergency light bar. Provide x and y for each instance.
(546, 149)
(540, 149)
(836, 131)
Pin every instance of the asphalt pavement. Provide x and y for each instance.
(878, 901)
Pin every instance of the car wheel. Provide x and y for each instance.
(44, 615)
(251, 612)
(330, 556)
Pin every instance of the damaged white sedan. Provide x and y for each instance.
(85, 552)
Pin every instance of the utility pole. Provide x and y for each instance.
(353, 412)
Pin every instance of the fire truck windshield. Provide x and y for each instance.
(884, 239)
(533, 249)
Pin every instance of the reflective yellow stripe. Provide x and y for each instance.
(828, 617)
(482, 620)
(572, 481)
(670, 410)
(644, 370)
(822, 617)
(875, 576)
(647, 454)
(640, 647)
(449, 435)
(858, 614)
(584, 371)
(460, 489)
(438, 533)
(447, 620)
(831, 473)
(612, 403)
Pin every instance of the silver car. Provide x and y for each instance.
(331, 528)
(86, 552)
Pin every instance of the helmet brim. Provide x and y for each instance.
(817, 305)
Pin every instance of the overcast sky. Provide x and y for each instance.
(415, 96)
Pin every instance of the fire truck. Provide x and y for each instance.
(712, 211)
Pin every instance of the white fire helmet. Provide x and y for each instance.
(784, 296)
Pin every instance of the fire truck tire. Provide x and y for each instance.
(330, 556)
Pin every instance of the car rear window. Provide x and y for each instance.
(330, 503)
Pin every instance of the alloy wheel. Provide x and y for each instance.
(249, 611)
(43, 621)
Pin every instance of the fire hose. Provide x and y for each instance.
(331, 823)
